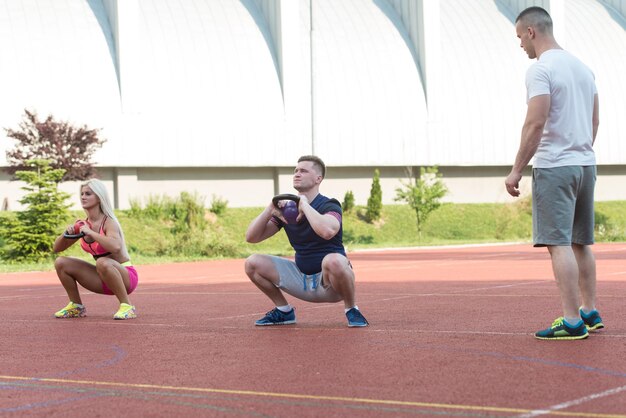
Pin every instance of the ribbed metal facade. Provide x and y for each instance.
(257, 83)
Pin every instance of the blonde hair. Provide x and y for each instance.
(99, 189)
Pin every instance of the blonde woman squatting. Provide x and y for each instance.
(113, 273)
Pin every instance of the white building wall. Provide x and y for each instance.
(229, 85)
(369, 105)
(294, 56)
(604, 51)
(211, 91)
(482, 96)
(57, 58)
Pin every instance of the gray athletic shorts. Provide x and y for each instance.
(563, 205)
(307, 287)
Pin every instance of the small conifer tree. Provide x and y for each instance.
(348, 202)
(29, 235)
(375, 201)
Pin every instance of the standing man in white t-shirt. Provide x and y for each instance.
(559, 131)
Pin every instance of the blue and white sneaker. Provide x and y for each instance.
(277, 317)
(356, 318)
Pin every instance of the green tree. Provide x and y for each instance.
(29, 235)
(423, 193)
(348, 202)
(375, 201)
(62, 144)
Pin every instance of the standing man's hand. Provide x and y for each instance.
(536, 117)
(512, 183)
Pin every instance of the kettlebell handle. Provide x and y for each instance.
(285, 196)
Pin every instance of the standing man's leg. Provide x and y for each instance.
(565, 267)
(554, 201)
(586, 275)
(587, 284)
(555, 193)
(583, 238)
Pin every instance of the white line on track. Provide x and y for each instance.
(574, 402)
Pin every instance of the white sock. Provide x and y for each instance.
(355, 307)
(284, 308)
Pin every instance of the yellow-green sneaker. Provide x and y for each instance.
(562, 330)
(72, 310)
(125, 311)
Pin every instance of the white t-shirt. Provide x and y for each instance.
(568, 133)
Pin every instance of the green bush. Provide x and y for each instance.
(218, 205)
(188, 213)
(185, 212)
(375, 201)
(157, 207)
(607, 227)
(179, 228)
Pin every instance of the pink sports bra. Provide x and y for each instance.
(94, 248)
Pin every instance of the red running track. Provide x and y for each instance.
(450, 335)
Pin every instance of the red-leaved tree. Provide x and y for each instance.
(65, 146)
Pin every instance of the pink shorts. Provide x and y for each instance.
(133, 277)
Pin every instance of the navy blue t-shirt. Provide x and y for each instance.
(310, 247)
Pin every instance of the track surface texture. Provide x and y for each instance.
(450, 335)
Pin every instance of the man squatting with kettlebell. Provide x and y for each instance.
(321, 271)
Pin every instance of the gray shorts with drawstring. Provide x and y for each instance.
(307, 287)
(563, 210)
